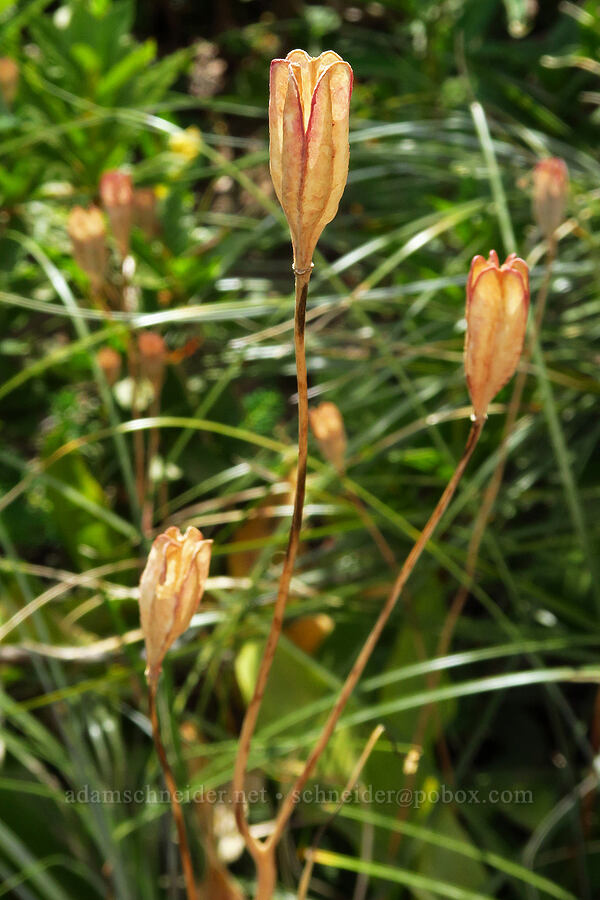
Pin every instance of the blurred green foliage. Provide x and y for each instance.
(175, 93)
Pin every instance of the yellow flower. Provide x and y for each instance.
(171, 588)
(186, 144)
(309, 109)
(497, 305)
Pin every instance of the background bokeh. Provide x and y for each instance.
(453, 105)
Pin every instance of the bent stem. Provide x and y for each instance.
(491, 492)
(293, 795)
(184, 849)
(483, 515)
(263, 856)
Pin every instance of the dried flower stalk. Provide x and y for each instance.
(308, 125)
(171, 588)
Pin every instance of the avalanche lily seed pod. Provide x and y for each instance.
(309, 110)
(171, 588)
(497, 306)
(88, 237)
(328, 427)
(116, 193)
(550, 193)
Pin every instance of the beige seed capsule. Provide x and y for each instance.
(328, 427)
(550, 193)
(88, 237)
(497, 306)
(171, 587)
(309, 110)
(116, 193)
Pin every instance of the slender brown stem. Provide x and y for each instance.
(266, 873)
(262, 856)
(292, 797)
(184, 849)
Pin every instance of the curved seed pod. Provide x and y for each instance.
(309, 109)
(497, 306)
(171, 588)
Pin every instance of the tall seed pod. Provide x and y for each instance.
(497, 306)
(171, 587)
(110, 362)
(88, 237)
(144, 211)
(152, 355)
(328, 427)
(116, 193)
(550, 193)
(9, 79)
(309, 110)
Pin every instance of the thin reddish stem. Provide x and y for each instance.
(184, 849)
(291, 798)
(253, 710)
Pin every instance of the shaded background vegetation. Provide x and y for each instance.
(176, 93)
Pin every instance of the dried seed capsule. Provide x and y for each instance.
(88, 236)
(497, 305)
(110, 363)
(328, 428)
(152, 352)
(9, 79)
(171, 588)
(116, 193)
(309, 109)
(144, 211)
(550, 192)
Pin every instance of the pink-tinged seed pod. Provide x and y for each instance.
(171, 587)
(9, 79)
(497, 306)
(88, 236)
(152, 352)
(116, 193)
(328, 427)
(110, 362)
(309, 110)
(144, 211)
(550, 194)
